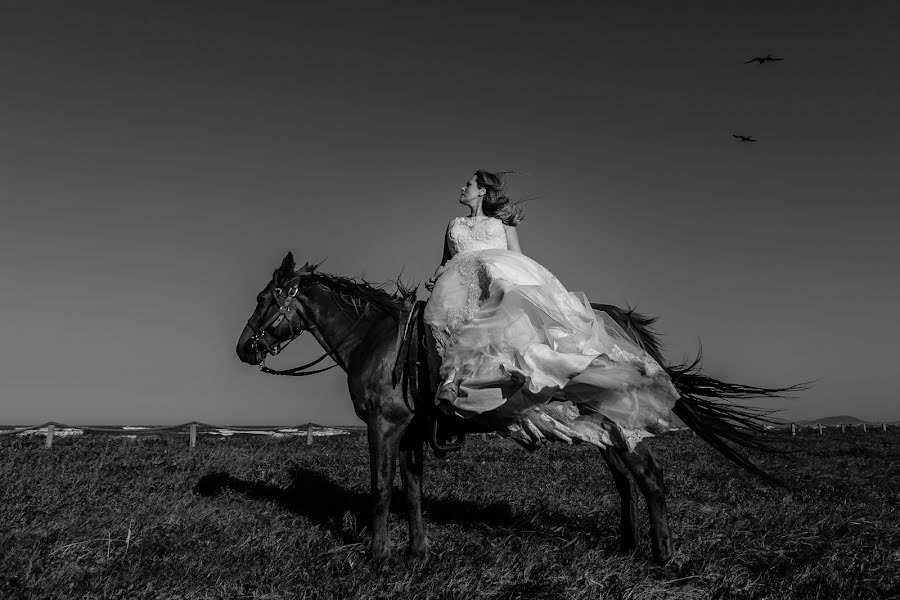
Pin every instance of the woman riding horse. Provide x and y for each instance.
(519, 355)
(519, 350)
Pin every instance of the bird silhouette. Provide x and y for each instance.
(762, 59)
(744, 138)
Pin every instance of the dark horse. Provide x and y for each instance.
(367, 332)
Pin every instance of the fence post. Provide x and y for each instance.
(843, 428)
(309, 434)
(820, 429)
(884, 426)
(793, 430)
(864, 427)
(193, 435)
(483, 437)
(48, 441)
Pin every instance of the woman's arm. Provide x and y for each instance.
(447, 255)
(512, 239)
(429, 285)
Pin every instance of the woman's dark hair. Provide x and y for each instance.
(495, 202)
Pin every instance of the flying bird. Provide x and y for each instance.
(744, 138)
(763, 59)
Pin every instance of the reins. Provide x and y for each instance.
(298, 371)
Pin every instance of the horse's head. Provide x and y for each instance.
(279, 316)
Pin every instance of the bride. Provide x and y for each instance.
(519, 350)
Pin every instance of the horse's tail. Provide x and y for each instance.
(638, 327)
(706, 405)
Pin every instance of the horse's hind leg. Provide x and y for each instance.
(649, 477)
(384, 444)
(411, 469)
(629, 530)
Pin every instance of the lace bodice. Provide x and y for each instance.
(466, 234)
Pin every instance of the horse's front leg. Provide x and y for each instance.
(649, 477)
(384, 443)
(411, 470)
(629, 530)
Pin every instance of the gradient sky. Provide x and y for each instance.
(158, 159)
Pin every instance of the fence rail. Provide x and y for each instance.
(796, 428)
(818, 427)
(52, 428)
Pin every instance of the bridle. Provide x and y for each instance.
(287, 308)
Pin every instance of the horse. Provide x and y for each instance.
(378, 339)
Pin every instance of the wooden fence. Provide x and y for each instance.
(820, 429)
(49, 430)
(191, 429)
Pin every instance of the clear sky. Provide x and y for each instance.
(158, 159)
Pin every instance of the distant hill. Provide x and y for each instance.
(832, 421)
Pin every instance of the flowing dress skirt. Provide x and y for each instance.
(531, 355)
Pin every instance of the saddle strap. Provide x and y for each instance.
(407, 368)
(405, 336)
(412, 371)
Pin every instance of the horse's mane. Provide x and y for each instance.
(355, 293)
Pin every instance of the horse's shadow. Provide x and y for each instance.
(328, 504)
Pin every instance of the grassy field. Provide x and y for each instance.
(107, 517)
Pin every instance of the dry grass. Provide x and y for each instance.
(106, 517)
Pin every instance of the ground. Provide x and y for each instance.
(106, 517)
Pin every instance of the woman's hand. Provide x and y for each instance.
(429, 285)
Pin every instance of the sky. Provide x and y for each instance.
(158, 159)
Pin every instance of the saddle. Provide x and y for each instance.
(415, 373)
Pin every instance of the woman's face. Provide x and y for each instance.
(470, 194)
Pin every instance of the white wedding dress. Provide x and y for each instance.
(533, 358)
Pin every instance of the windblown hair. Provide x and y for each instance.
(496, 203)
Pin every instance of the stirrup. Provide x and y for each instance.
(443, 447)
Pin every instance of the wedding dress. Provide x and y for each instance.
(533, 358)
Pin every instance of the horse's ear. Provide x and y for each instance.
(287, 265)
